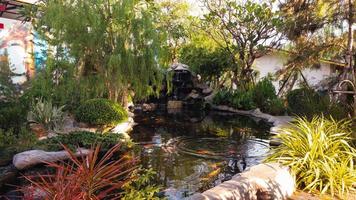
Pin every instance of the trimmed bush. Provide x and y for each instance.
(320, 155)
(101, 112)
(80, 139)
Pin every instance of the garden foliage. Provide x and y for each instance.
(210, 63)
(140, 187)
(319, 153)
(245, 30)
(81, 139)
(307, 102)
(7, 87)
(45, 113)
(13, 141)
(236, 99)
(87, 177)
(262, 96)
(101, 112)
(12, 115)
(119, 44)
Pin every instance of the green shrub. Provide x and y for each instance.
(55, 83)
(101, 112)
(80, 139)
(43, 112)
(13, 141)
(210, 63)
(262, 96)
(275, 107)
(12, 116)
(243, 100)
(265, 97)
(236, 99)
(21, 139)
(264, 92)
(319, 154)
(141, 186)
(307, 102)
(222, 97)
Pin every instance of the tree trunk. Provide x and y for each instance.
(349, 56)
(123, 98)
(349, 71)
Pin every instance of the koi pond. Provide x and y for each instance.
(192, 152)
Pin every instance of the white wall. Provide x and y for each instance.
(314, 76)
(269, 64)
(274, 62)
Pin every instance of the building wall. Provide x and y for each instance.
(314, 76)
(274, 62)
(16, 40)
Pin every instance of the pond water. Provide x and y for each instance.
(192, 152)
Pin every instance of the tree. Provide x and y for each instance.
(111, 43)
(174, 21)
(211, 64)
(312, 26)
(7, 87)
(246, 31)
(309, 25)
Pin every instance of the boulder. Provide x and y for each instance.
(33, 157)
(193, 95)
(124, 127)
(149, 107)
(174, 105)
(263, 181)
(209, 99)
(207, 91)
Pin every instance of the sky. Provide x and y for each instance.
(195, 7)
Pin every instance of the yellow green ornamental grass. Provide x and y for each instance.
(320, 155)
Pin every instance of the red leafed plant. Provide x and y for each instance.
(85, 177)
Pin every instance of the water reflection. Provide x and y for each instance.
(193, 153)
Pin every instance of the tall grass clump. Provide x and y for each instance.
(45, 113)
(320, 155)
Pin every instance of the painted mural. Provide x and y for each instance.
(17, 42)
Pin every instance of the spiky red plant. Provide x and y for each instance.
(85, 177)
